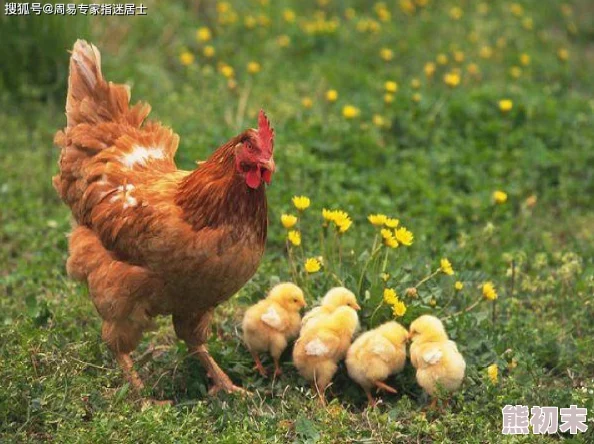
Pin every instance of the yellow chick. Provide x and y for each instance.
(336, 297)
(272, 322)
(436, 358)
(375, 355)
(320, 347)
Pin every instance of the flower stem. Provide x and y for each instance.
(426, 278)
(466, 310)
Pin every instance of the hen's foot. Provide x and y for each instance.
(219, 378)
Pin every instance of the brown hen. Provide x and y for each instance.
(151, 239)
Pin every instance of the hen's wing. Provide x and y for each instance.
(105, 148)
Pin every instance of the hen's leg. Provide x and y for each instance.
(127, 365)
(194, 330)
(122, 338)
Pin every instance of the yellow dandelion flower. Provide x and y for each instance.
(343, 223)
(416, 97)
(391, 86)
(446, 267)
(379, 120)
(505, 105)
(328, 215)
(493, 373)
(223, 7)
(458, 56)
(489, 291)
(253, 67)
(442, 59)
(500, 197)
(452, 79)
(388, 98)
(288, 220)
(283, 41)
(456, 13)
(350, 111)
(203, 34)
(377, 219)
(528, 24)
(301, 202)
(389, 238)
(486, 52)
(385, 277)
(525, 59)
(294, 237)
(331, 95)
(312, 265)
(306, 102)
(289, 15)
(227, 71)
(350, 13)
(473, 69)
(433, 302)
(563, 54)
(429, 69)
(250, 22)
(415, 83)
(458, 285)
(407, 6)
(404, 236)
(398, 308)
(386, 54)
(390, 296)
(186, 58)
(516, 9)
(208, 51)
(391, 222)
(515, 72)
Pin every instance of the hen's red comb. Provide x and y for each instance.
(265, 133)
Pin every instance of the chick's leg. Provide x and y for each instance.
(194, 329)
(278, 371)
(259, 365)
(383, 386)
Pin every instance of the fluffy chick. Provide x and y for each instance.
(334, 298)
(272, 322)
(436, 358)
(320, 347)
(375, 355)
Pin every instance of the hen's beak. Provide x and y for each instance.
(269, 165)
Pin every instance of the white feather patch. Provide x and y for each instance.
(140, 155)
(316, 348)
(272, 318)
(432, 356)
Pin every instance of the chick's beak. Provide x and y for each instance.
(357, 307)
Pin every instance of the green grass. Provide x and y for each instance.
(434, 165)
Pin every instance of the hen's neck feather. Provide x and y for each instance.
(215, 194)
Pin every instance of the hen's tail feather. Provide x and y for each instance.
(98, 116)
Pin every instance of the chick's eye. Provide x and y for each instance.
(295, 300)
